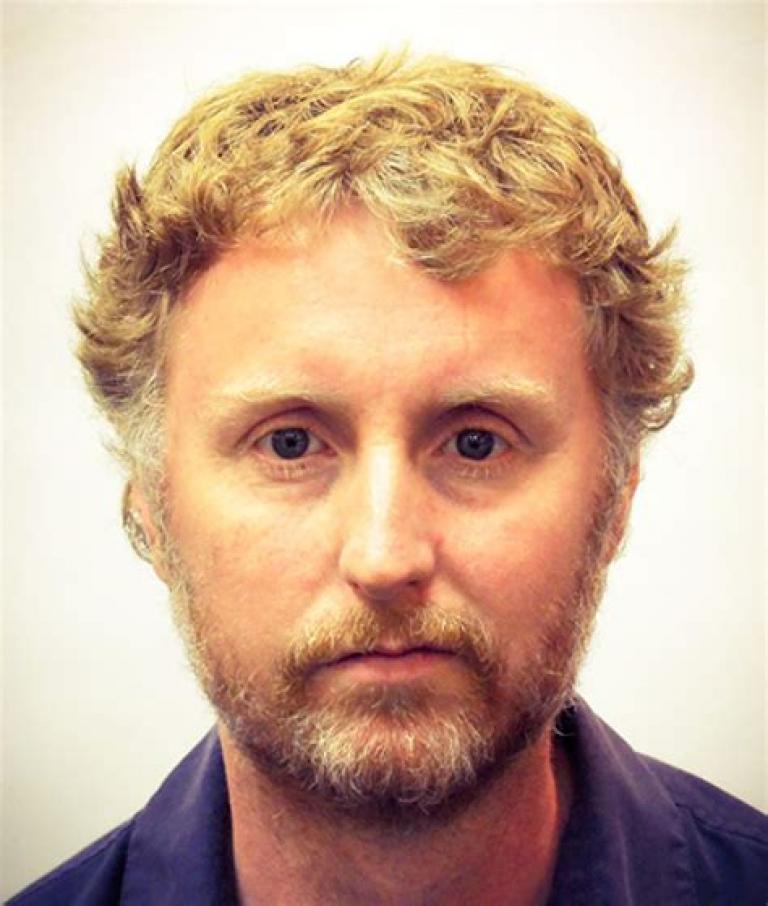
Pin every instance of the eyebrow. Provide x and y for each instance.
(269, 393)
(535, 406)
(505, 391)
(534, 401)
(231, 403)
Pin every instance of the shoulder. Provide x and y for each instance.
(727, 839)
(176, 849)
(93, 876)
(644, 832)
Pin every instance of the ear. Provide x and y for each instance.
(620, 518)
(141, 527)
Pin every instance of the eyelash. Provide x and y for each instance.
(307, 464)
(287, 469)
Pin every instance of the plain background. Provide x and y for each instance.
(98, 702)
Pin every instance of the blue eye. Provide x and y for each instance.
(291, 453)
(477, 444)
(290, 443)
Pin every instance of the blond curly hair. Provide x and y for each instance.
(459, 161)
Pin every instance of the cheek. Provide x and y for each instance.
(252, 565)
(520, 562)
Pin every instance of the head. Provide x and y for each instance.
(401, 216)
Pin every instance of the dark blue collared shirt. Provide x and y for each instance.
(640, 832)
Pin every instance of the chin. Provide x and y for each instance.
(394, 760)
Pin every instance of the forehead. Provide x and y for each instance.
(338, 310)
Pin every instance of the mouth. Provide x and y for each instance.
(393, 652)
(391, 663)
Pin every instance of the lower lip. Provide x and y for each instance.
(395, 667)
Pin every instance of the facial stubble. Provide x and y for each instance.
(399, 756)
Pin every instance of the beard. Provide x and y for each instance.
(396, 756)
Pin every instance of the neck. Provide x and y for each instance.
(500, 849)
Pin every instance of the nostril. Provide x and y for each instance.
(388, 576)
(401, 595)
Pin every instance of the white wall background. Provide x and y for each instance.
(98, 704)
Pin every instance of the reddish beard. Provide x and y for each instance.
(406, 755)
(398, 755)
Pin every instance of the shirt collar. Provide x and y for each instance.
(624, 841)
(180, 849)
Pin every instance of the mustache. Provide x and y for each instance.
(392, 631)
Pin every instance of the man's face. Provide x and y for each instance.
(383, 510)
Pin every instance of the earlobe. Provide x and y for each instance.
(140, 527)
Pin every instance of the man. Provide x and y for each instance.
(380, 346)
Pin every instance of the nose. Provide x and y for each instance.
(388, 542)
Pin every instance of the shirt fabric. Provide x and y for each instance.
(640, 833)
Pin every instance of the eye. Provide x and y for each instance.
(289, 443)
(477, 444)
